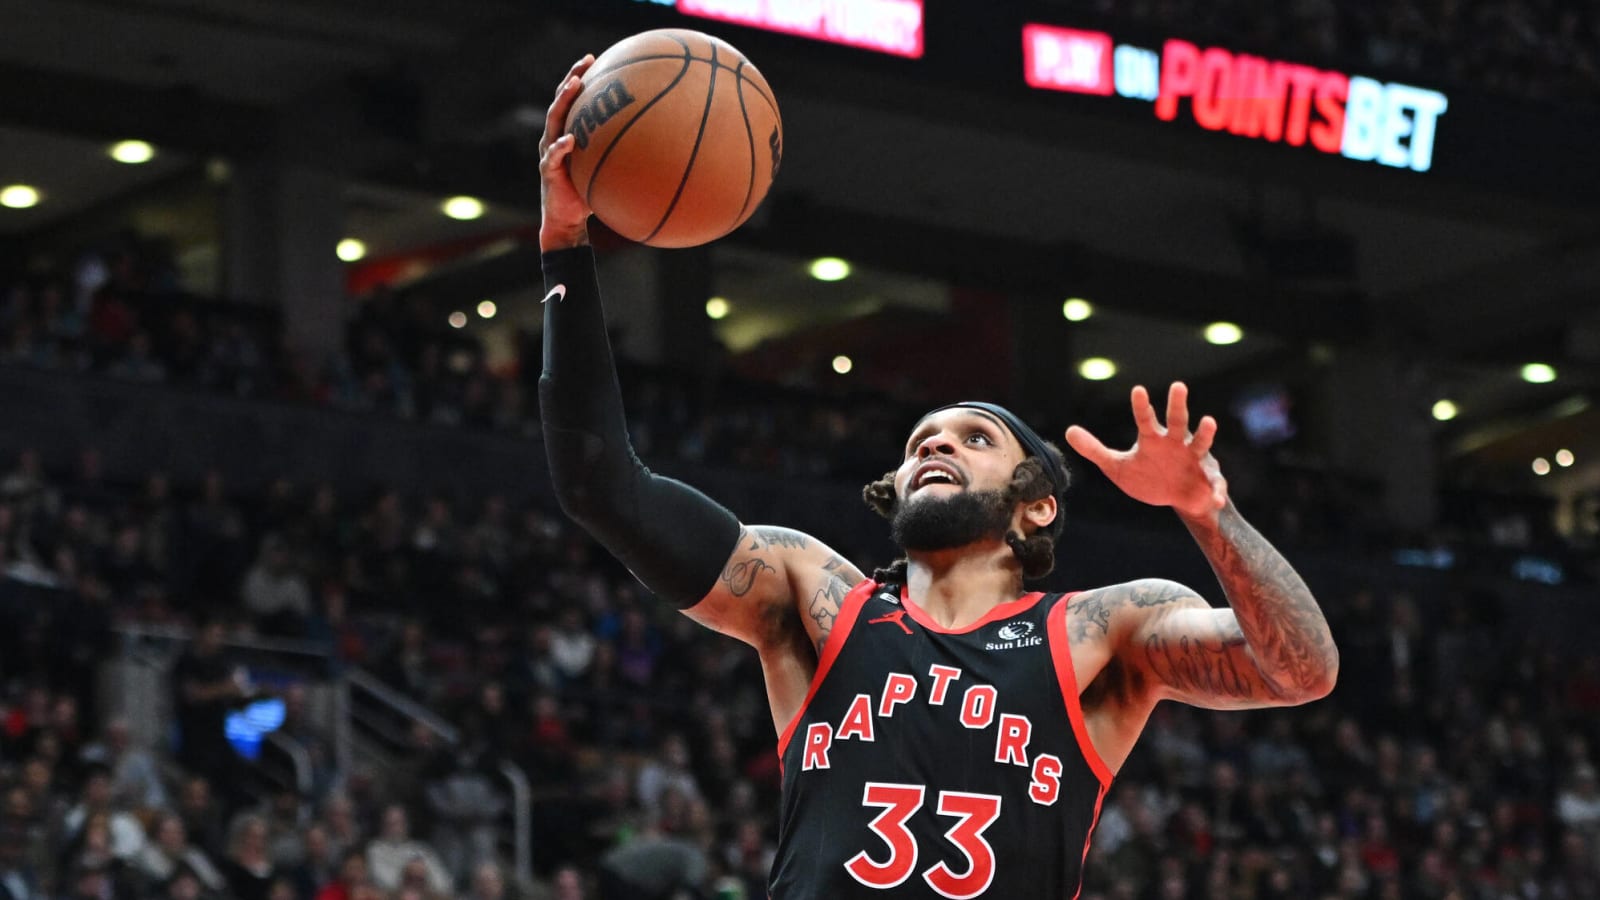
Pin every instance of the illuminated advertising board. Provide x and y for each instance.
(1249, 96)
(885, 26)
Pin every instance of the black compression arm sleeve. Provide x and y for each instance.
(673, 538)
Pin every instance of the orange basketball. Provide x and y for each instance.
(677, 138)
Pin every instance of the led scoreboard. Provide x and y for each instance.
(1249, 96)
(884, 26)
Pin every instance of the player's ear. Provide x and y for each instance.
(1040, 513)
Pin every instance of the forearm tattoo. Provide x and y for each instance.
(1206, 663)
(1275, 610)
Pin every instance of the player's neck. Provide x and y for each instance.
(958, 587)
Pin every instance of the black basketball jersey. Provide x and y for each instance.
(935, 763)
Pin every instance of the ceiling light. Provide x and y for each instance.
(458, 319)
(717, 308)
(830, 268)
(350, 250)
(132, 152)
(1541, 466)
(1076, 309)
(487, 309)
(1564, 458)
(1538, 373)
(463, 208)
(842, 364)
(1445, 410)
(19, 196)
(1097, 368)
(1223, 333)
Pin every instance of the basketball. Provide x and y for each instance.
(677, 138)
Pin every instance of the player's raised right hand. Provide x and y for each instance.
(564, 214)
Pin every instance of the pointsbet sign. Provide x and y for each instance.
(1249, 96)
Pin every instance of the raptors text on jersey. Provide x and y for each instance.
(929, 762)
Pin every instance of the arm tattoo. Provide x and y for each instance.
(824, 606)
(1091, 616)
(1205, 663)
(741, 572)
(741, 576)
(781, 537)
(1276, 612)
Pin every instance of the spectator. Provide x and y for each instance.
(1578, 806)
(135, 779)
(389, 853)
(207, 686)
(169, 854)
(248, 868)
(125, 834)
(274, 593)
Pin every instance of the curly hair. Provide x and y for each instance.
(1029, 482)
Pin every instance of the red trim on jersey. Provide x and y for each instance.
(1061, 653)
(846, 619)
(1004, 611)
(1089, 835)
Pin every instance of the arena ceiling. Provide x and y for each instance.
(411, 99)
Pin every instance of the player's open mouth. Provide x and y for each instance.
(933, 473)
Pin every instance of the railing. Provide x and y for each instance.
(364, 717)
(374, 710)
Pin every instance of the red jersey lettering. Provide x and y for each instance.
(1011, 745)
(942, 676)
(857, 721)
(819, 738)
(897, 688)
(1046, 787)
(977, 706)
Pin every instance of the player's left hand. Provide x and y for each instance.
(1166, 466)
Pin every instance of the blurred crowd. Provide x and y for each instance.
(1449, 763)
(1547, 50)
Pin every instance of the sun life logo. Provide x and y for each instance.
(1014, 631)
(1015, 634)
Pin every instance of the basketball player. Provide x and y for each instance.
(942, 732)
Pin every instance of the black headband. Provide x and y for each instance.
(1027, 437)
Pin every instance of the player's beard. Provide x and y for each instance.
(932, 522)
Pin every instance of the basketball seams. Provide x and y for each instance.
(737, 71)
(594, 174)
(750, 141)
(694, 152)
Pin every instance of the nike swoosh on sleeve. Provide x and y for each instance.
(559, 292)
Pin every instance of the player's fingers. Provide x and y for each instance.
(1204, 434)
(555, 118)
(1089, 446)
(1178, 408)
(553, 155)
(1219, 492)
(1144, 415)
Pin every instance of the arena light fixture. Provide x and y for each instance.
(1541, 466)
(1222, 333)
(19, 196)
(132, 153)
(830, 268)
(1564, 458)
(843, 364)
(1538, 373)
(487, 309)
(717, 308)
(458, 319)
(463, 208)
(1445, 410)
(351, 250)
(1076, 309)
(1097, 368)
